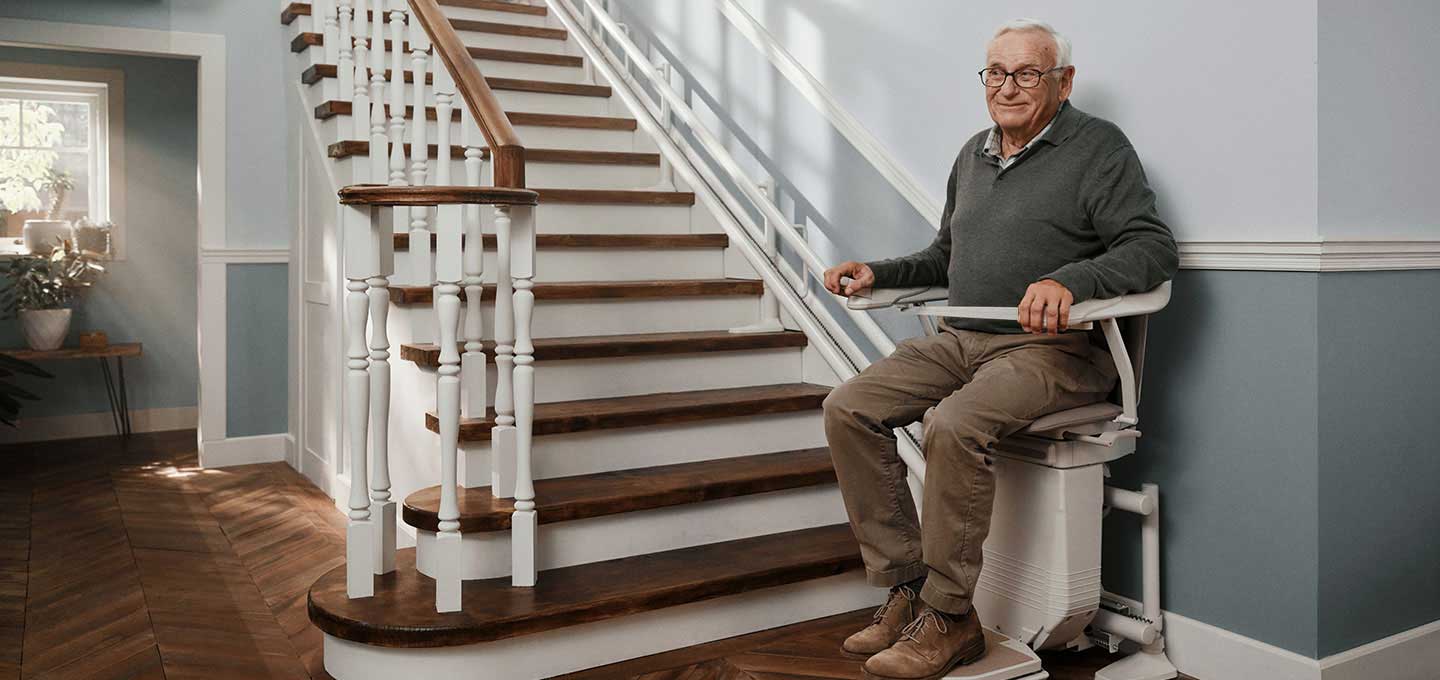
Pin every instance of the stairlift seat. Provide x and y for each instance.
(1057, 422)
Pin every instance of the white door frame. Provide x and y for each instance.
(213, 255)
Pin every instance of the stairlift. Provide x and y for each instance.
(1040, 587)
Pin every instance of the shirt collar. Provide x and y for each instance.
(992, 141)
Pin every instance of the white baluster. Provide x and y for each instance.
(382, 509)
(473, 368)
(379, 145)
(398, 98)
(523, 520)
(361, 109)
(447, 407)
(328, 19)
(359, 268)
(444, 109)
(344, 64)
(502, 434)
(420, 258)
(769, 304)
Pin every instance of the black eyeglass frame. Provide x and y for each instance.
(1015, 74)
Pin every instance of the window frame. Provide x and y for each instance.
(104, 88)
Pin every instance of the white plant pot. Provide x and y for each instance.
(42, 236)
(45, 329)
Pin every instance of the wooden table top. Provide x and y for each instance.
(123, 349)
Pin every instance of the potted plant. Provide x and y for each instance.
(39, 289)
(40, 235)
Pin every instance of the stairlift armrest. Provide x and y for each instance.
(1134, 304)
(879, 298)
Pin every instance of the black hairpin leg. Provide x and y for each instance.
(118, 396)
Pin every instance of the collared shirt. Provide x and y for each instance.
(992, 142)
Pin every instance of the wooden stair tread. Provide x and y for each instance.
(596, 290)
(608, 493)
(303, 9)
(316, 72)
(632, 344)
(636, 241)
(351, 147)
(653, 409)
(335, 107)
(402, 611)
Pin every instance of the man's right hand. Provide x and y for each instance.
(860, 278)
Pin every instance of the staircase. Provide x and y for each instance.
(681, 486)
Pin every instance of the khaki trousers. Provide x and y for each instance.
(984, 387)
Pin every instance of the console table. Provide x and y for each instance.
(114, 382)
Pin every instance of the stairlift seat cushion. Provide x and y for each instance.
(1084, 415)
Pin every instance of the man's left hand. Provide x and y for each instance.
(1045, 307)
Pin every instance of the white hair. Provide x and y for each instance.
(1062, 44)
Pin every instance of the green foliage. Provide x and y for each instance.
(10, 393)
(24, 173)
(34, 282)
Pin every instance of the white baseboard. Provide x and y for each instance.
(265, 448)
(1205, 652)
(1411, 655)
(98, 424)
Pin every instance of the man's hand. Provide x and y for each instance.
(1045, 307)
(860, 275)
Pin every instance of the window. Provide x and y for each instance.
(54, 145)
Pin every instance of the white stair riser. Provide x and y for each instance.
(594, 644)
(554, 265)
(582, 453)
(522, 43)
(564, 544)
(327, 89)
(499, 17)
(523, 71)
(568, 175)
(618, 219)
(342, 128)
(628, 376)
(560, 318)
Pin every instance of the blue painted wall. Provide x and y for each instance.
(258, 349)
(150, 297)
(1379, 446)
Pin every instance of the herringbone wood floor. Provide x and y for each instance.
(125, 560)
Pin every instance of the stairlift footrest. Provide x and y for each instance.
(1005, 659)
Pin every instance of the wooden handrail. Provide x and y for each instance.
(505, 147)
(381, 195)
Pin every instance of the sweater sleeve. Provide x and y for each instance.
(927, 267)
(1140, 251)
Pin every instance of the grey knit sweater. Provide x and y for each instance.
(1074, 207)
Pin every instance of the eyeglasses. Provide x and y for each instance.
(1026, 78)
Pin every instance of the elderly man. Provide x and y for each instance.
(1048, 208)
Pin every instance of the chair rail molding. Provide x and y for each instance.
(1311, 256)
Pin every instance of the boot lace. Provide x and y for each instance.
(906, 593)
(909, 632)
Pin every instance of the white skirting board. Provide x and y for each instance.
(1205, 652)
(99, 424)
(264, 448)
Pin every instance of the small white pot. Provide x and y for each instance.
(42, 236)
(45, 329)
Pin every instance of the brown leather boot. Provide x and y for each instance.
(884, 630)
(929, 648)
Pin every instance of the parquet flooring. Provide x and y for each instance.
(126, 561)
(149, 567)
